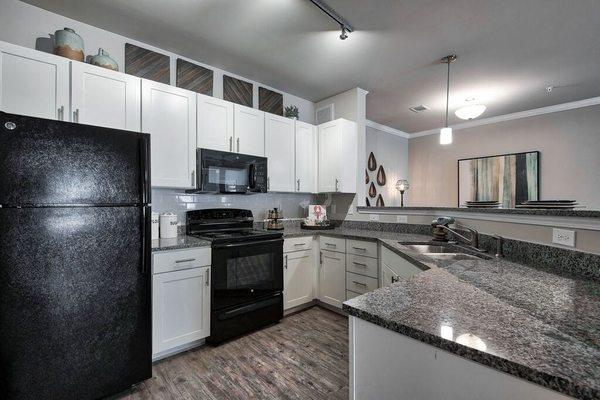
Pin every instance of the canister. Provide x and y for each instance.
(155, 225)
(168, 226)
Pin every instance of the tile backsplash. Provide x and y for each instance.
(293, 205)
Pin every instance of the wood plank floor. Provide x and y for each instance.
(305, 356)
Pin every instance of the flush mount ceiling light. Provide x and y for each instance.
(471, 111)
(446, 131)
(344, 25)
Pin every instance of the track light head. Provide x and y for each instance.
(344, 34)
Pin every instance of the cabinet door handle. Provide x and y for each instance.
(238, 145)
(298, 182)
(207, 277)
(320, 258)
(299, 244)
(337, 184)
(76, 115)
(61, 113)
(193, 178)
(359, 264)
(185, 260)
(286, 262)
(230, 143)
(359, 284)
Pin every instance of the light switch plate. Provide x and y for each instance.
(564, 237)
(402, 219)
(374, 217)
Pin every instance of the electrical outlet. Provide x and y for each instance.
(402, 219)
(374, 217)
(564, 237)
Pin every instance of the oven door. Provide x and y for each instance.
(225, 172)
(245, 272)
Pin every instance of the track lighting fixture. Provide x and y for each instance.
(344, 34)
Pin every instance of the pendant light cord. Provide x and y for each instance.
(447, 89)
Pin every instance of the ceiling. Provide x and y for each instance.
(508, 51)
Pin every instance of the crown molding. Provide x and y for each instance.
(386, 129)
(518, 115)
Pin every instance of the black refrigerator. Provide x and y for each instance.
(75, 283)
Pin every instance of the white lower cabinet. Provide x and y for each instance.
(180, 301)
(394, 267)
(332, 283)
(298, 278)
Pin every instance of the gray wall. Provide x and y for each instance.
(569, 142)
(391, 152)
(293, 205)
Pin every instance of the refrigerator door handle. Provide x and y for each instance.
(145, 169)
(146, 239)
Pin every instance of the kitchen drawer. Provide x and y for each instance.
(350, 294)
(332, 244)
(360, 284)
(175, 260)
(362, 265)
(361, 248)
(297, 244)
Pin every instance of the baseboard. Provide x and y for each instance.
(177, 350)
(300, 308)
(331, 308)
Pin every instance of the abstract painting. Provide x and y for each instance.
(147, 64)
(237, 91)
(194, 77)
(509, 179)
(270, 101)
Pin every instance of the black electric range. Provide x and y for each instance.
(246, 271)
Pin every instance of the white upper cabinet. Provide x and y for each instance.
(279, 150)
(306, 157)
(103, 97)
(33, 83)
(338, 156)
(169, 115)
(249, 131)
(215, 123)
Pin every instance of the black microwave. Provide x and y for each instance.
(224, 172)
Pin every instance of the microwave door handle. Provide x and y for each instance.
(252, 178)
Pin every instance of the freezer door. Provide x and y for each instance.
(75, 302)
(53, 162)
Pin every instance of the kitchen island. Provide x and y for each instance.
(477, 329)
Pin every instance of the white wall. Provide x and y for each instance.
(391, 151)
(28, 26)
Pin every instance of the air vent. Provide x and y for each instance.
(418, 109)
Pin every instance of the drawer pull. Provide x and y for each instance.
(359, 264)
(299, 244)
(331, 244)
(359, 248)
(359, 284)
(185, 260)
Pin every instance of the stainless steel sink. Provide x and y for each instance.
(431, 248)
(451, 256)
(443, 252)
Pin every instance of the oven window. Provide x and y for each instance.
(228, 176)
(250, 272)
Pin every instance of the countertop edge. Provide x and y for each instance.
(508, 211)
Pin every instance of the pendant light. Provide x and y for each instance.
(446, 131)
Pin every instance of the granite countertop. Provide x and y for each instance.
(180, 242)
(521, 211)
(524, 321)
(359, 234)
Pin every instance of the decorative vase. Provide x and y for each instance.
(103, 59)
(381, 178)
(372, 191)
(68, 44)
(371, 162)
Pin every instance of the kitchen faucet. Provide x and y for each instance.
(441, 226)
